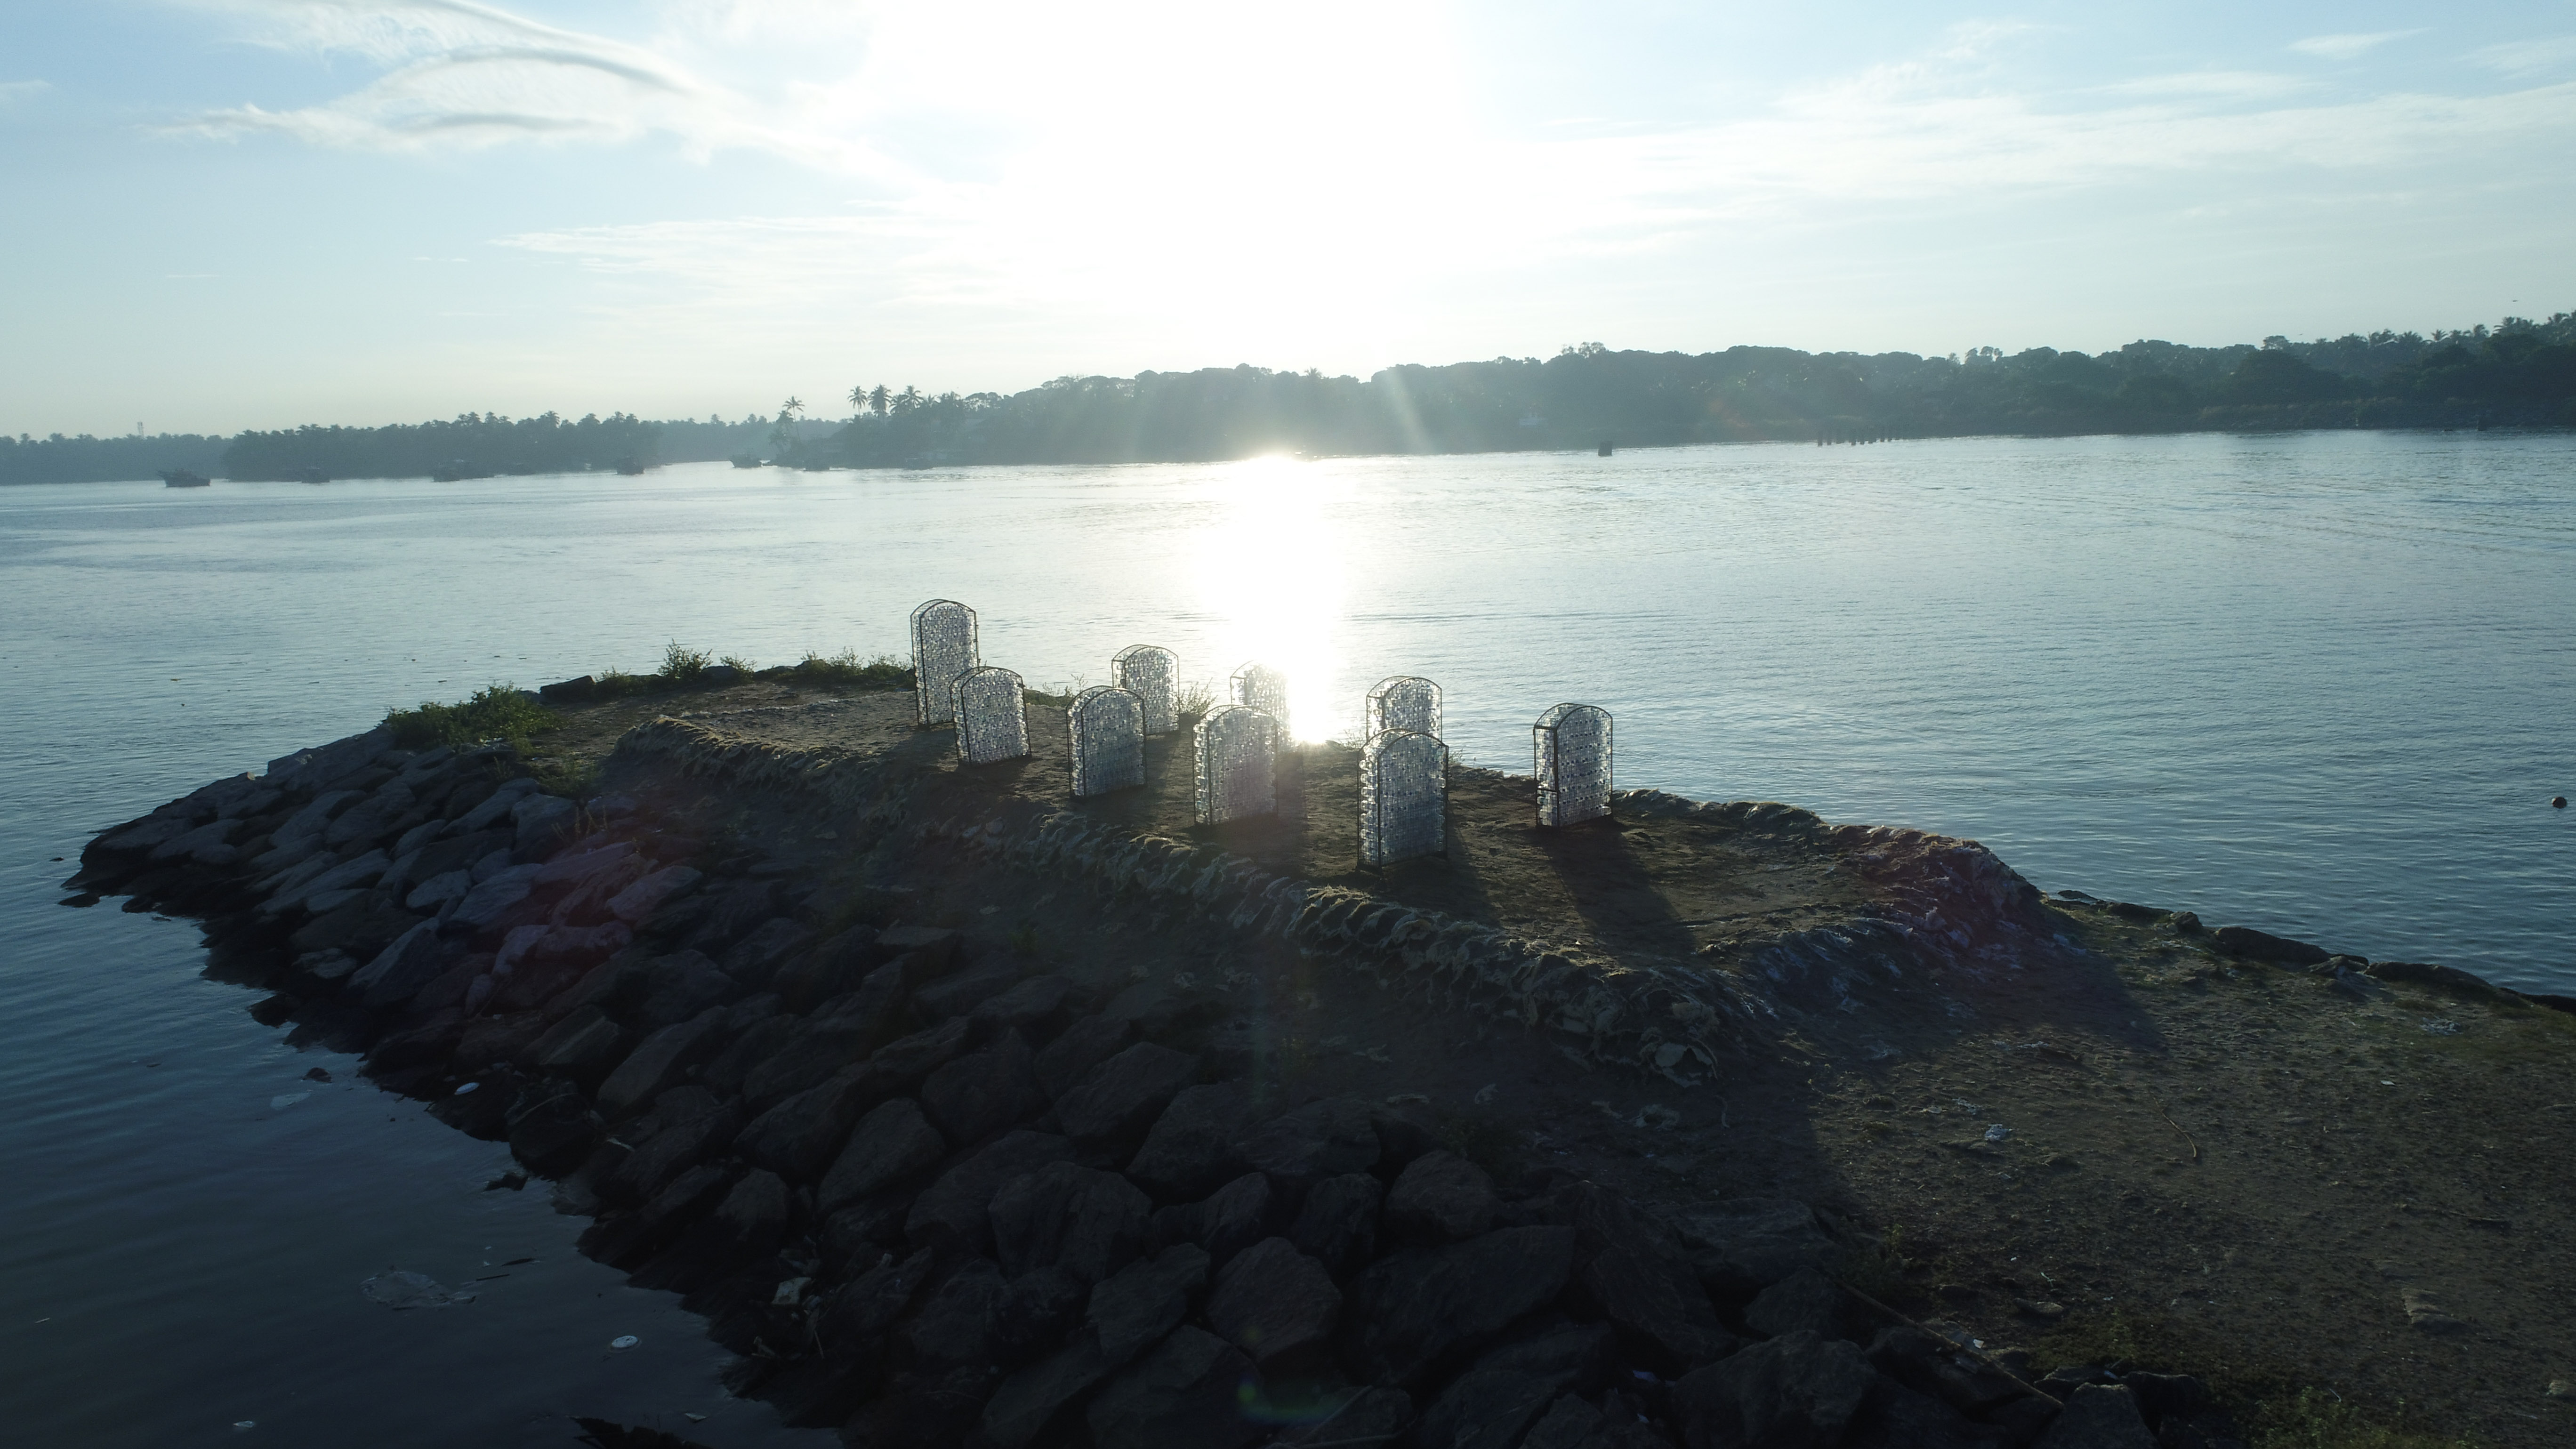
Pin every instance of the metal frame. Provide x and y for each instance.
(1258, 686)
(1404, 702)
(932, 676)
(992, 716)
(1404, 797)
(1107, 725)
(1573, 771)
(1146, 671)
(1231, 786)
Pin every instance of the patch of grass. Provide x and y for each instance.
(1194, 699)
(618, 684)
(573, 779)
(2315, 1419)
(494, 712)
(681, 667)
(846, 671)
(2112, 1340)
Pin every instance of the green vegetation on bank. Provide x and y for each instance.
(502, 711)
(2519, 373)
(494, 712)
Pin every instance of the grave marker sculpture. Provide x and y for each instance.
(1146, 672)
(1108, 728)
(1258, 686)
(992, 719)
(1238, 762)
(1570, 755)
(1404, 702)
(943, 647)
(1404, 797)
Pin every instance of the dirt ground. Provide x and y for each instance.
(2205, 1165)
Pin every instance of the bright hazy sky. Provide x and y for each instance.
(231, 213)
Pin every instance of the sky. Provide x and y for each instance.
(256, 213)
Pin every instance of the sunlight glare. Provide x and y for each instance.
(1271, 582)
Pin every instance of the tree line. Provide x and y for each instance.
(2519, 373)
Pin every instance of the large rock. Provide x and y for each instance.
(1491, 1404)
(1141, 1302)
(585, 1044)
(347, 875)
(2099, 1416)
(552, 1126)
(755, 957)
(1077, 1049)
(371, 821)
(1337, 1225)
(660, 1061)
(1935, 1366)
(627, 1239)
(1183, 1392)
(1569, 1423)
(871, 1302)
(955, 1209)
(2254, 945)
(1119, 1099)
(1440, 1198)
(749, 1223)
(892, 1143)
(1029, 1401)
(1034, 1008)
(1319, 1140)
(1896, 1417)
(1658, 1305)
(1275, 1303)
(1793, 1392)
(1234, 1217)
(962, 993)
(493, 897)
(579, 866)
(636, 904)
(1748, 1244)
(686, 1127)
(495, 807)
(541, 825)
(1423, 1308)
(1364, 1417)
(1087, 1222)
(361, 923)
(1805, 1300)
(679, 986)
(1195, 1146)
(979, 1315)
(800, 1136)
(208, 844)
(400, 970)
(841, 1033)
(833, 968)
(983, 1092)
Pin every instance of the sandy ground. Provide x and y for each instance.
(2210, 1166)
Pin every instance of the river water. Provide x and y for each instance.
(2316, 683)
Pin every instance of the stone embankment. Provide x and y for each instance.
(932, 1196)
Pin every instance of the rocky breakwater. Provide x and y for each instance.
(933, 1195)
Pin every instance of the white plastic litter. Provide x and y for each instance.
(467, 1087)
(284, 1100)
(1998, 1133)
(624, 1341)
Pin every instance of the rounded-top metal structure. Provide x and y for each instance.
(992, 717)
(1404, 702)
(1570, 755)
(1146, 672)
(1258, 686)
(1238, 760)
(1108, 728)
(1404, 797)
(943, 647)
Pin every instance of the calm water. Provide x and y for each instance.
(2321, 684)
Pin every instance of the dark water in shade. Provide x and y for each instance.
(2318, 683)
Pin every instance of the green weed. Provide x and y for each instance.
(494, 712)
(846, 671)
(681, 667)
(2315, 1419)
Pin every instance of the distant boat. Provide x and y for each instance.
(1605, 447)
(182, 478)
(816, 466)
(309, 475)
(745, 460)
(629, 467)
(457, 470)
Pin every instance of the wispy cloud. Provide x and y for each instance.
(2528, 57)
(12, 92)
(2348, 47)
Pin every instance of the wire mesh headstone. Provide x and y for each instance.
(1108, 727)
(1146, 672)
(1404, 797)
(1238, 760)
(992, 720)
(1404, 703)
(943, 647)
(1258, 686)
(1570, 754)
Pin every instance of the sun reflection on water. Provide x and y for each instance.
(1271, 579)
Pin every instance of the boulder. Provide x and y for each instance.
(979, 1315)
(922, 1409)
(1029, 1401)
(1233, 1218)
(1805, 1300)
(842, 1033)
(1567, 1424)
(1319, 1140)
(908, 1061)
(686, 1126)
(1896, 1417)
(1275, 1303)
(1422, 1308)
(1743, 1245)
(403, 968)
(1076, 1050)
(542, 824)
(961, 993)
(927, 951)
(552, 1127)
(576, 867)
(831, 969)
(799, 1137)
(361, 923)
(434, 893)
(348, 875)
(984, 1092)
(372, 820)
(493, 896)
(1141, 1302)
(495, 807)
(1196, 1145)
(2099, 1416)
(749, 1223)
(208, 844)
(2253, 945)
(753, 958)
(1491, 1404)
(1087, 1222)
(1364, 1417)
(1798, 1391)
(1657, 1304)
(584, 1045)
(870, 1303)
(1116, 1101)
(1935, 1366)
(1182, 1392)
(658, 1063)
(891, 1143)
(955, 1209)
(636, 904)
(1440, 1198)
(757, 1042)
(1034, 1008)
(679, 986)
(1337, 1226)
(627, 1239)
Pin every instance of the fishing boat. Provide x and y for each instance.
(182, 478)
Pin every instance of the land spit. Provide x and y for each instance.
(969, 1113)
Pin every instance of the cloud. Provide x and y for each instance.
(12, 92)
(2527, 57)
(2348, 47)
